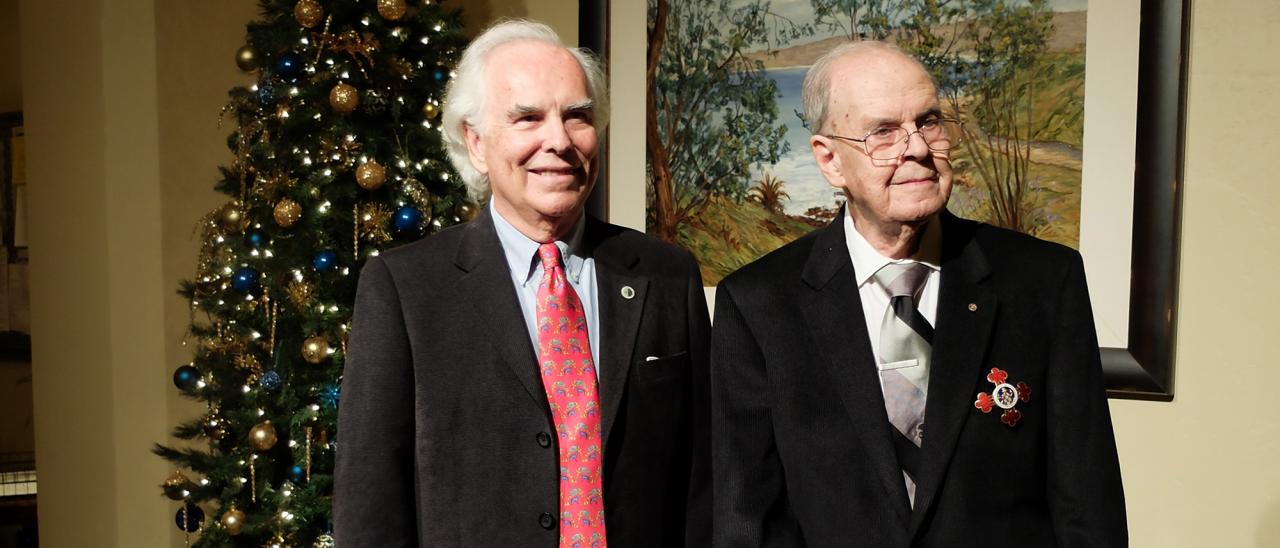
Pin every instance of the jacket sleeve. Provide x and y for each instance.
(750, 508)
(1086, 499)
(374, 501)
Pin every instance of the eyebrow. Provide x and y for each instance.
(587, 105)
(934, 111)
(522, 110)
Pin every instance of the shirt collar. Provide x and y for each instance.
(522, 252)
(867, 261)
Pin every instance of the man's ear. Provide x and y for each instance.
(824, 154)
(475, 148)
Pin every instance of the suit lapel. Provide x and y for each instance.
(833, 312)
(619, 314)
(965, 317)
(487, 280)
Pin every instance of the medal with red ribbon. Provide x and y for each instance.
(1005, 396)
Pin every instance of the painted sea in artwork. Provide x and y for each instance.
(731, 176)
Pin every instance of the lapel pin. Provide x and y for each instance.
(1005, 396)
(973, 307)
(627, 292)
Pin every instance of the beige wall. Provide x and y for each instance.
(1201, 471)
(111, 225)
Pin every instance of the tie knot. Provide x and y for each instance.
(550, 255)
(902, 279)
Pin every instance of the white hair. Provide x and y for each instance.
(816, 91)
(464, 99)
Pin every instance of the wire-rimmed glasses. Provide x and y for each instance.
(890, 143)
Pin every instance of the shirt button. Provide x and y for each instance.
(547, 521)
(544, 439)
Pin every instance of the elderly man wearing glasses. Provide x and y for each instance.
(904, 377)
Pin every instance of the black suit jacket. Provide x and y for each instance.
(802, 446)
(444, 433)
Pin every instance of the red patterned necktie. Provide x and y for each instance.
(569, 376)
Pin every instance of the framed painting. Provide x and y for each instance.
(767, 208)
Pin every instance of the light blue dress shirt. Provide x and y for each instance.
(526, 274)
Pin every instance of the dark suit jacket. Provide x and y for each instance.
(802, 453)
(444, 433)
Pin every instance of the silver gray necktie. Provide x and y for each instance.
(905, 347)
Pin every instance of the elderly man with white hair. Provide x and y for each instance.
(533, 377)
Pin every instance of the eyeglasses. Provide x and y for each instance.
(890, 143)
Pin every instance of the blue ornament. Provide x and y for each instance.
(267, 93)
(407, 218)
(325, 260)
(439, 75)
(186, 378)
(297, 473)
(255, 238)
(189, 518)
(289, 66)
(330, 395)
(270, 381)
(245, 280)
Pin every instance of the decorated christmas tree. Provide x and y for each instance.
(337, 155)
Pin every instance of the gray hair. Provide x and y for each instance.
(816, 92)
(464, 99)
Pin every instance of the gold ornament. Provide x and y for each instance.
(177, 486)
(308, 13)
(315, 349)
(370, 175)
(269, 185)
(359, 46)
(263, 436)
(247, 58)
(417, 192)
(430, 110)
(341, 154)
(231, 219)
(233, 521)
(373, 218)
(323, 541)
(344, 99)
(287, 213)
(300, 294)
(248, 362)
(392, 10)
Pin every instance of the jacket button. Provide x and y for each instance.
(547, 521)
(544, 439)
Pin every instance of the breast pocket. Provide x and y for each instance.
(654, 369)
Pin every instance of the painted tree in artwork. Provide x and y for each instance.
(337, 155)
(711, 111)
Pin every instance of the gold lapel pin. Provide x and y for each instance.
(628, 292)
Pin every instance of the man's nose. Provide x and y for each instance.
(555, 136)
(917, 148)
